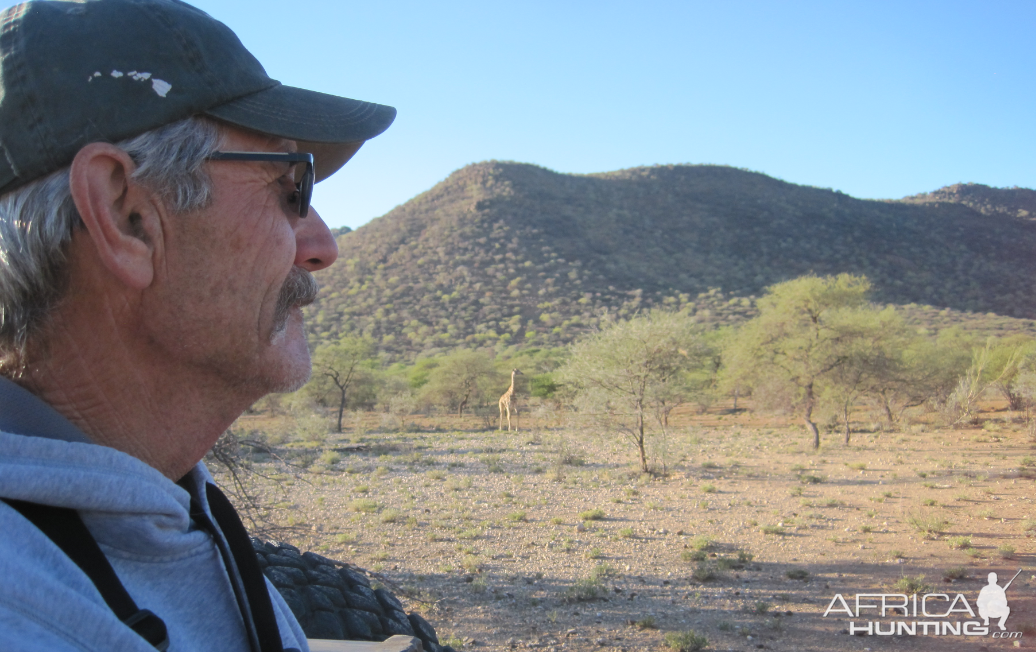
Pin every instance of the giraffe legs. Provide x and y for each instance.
(507, 404)
(506, 408)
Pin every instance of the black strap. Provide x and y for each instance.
(252, 578)
(66, 529)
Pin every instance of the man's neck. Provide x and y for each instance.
(119, 398)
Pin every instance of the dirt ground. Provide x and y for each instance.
(550, 538)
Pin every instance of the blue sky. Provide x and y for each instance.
(878, 99)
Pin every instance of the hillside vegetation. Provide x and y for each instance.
(1009, 202)
(508, 255)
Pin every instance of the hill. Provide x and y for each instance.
(1009, 202)
(504, 254)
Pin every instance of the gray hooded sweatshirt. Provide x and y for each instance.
(142, 523)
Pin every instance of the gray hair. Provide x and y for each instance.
(37, 222)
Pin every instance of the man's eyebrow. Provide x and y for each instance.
(284, 145)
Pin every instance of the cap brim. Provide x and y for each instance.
(331, 128)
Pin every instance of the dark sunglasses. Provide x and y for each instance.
(303, 188)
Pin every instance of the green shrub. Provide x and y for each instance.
(364, 505)
(390, 516)
(929, 526)
(471, 563)
(688, 641)
(704, 572)
(797, 574)
(601, 571)
(909, 585)
(694, 555)
(330, 458)
(956, 573)
(585, 589)
(592, 515)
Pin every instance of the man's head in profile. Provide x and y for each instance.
(156, 247)
(147, 275)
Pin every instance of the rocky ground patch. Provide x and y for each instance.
(551, 539)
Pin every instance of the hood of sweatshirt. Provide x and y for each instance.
(45, 459)
(141, 520)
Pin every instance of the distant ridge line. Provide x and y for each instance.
(506, 254)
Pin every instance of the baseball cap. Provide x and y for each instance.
(72, 73)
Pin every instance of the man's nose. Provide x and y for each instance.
(315, 247)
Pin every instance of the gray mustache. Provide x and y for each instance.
(300, 289)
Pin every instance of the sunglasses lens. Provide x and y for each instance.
(304, 187)
(305, 192)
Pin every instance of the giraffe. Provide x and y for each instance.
(509, 402)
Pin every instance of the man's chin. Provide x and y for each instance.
(288, 346)
(292, 384)
(292, 318)
(292, 372)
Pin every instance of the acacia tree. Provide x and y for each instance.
(631, 370)
(993, 365)
(1024, 386)
(874, 359)
(805, 331)
(921, 370)
(460, 379)
(343, 373)
(1005, 358)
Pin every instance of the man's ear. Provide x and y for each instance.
(120, 215)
